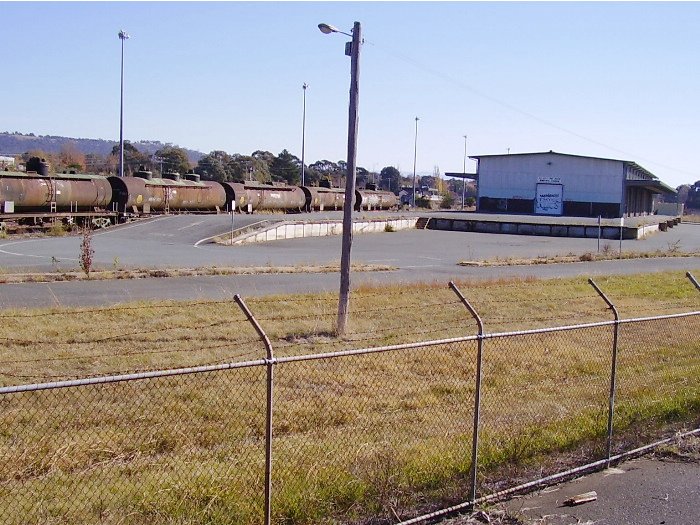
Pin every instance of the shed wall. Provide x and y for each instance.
(584, 179)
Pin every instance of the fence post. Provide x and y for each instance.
(270, 360)
(693, 280)
(477, 391)
(613, 370)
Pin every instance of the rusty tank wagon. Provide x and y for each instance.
(257, 196)
(372, 199)
(145, 193)
(37, 190)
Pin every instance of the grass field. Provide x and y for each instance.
(377, 435)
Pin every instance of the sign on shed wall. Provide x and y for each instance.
(549, 199)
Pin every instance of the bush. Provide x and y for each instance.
(422, 202)
(57, 229)
(448, 200)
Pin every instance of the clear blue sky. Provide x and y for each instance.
(618, 80)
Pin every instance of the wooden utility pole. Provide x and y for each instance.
(344, 297)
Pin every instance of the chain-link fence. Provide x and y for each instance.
(354, 435)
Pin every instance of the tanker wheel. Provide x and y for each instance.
(101, 222)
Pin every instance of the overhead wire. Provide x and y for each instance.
(507, 105)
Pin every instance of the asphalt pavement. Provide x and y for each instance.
(416, 255)
(645, 491)
(653, 490)
(660, 488)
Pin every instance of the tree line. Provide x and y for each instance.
(261, 166)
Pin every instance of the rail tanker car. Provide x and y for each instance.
(144, 193)
(372, 199)
(37, 191)
(256, 196)
(36, 196)
(323, 197)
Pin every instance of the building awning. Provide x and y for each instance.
(463, 175)
(652, 185)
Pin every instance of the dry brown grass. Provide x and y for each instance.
(101, 275)
(571, 258)
(377, 434)
(57, 343)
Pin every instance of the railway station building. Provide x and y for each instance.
(560, 184)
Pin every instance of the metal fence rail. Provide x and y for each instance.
(389, 432)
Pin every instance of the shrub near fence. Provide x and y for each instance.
(355, 434)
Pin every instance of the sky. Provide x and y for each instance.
(614, 80)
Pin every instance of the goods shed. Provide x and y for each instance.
(561, 184)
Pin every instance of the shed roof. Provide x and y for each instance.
(653, 182)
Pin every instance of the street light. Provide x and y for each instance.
(303, 133)
(464, 171)
(122, 36)
(344, 297)
(415, 153)
(327, 29)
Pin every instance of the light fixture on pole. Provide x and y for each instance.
(415, 154)
(348, 205)
(122, 36)
(303, 133)
(327, 29)
(464, 171)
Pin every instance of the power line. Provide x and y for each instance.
(459, 83)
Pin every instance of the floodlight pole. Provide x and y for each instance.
(122, 36)
(464, 172)
(344, 296)
(303, 133)
(415, 155)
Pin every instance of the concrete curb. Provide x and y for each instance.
(296, 230)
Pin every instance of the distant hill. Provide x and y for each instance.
(16, 143)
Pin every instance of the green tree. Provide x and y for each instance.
(133, 158)
(361, 177)
(173, 159)
(325, 168)
(286, 167)
(390, 179)
(213, 166)
(262, 165)
(322, 170)
(682, 194)
(693, 200)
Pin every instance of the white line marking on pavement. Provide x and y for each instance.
(190, 226)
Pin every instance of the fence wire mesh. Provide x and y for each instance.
(186, 448)
(374, 433)
(658, 380)
(358, 436)
(541, 391)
